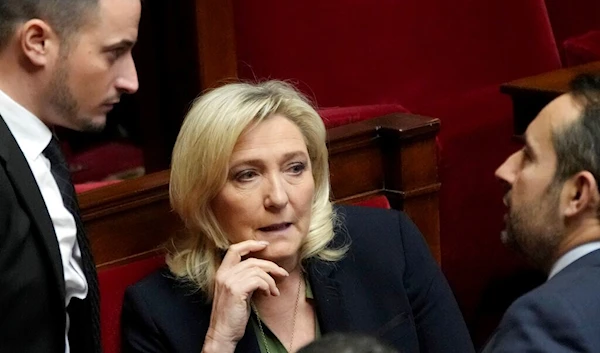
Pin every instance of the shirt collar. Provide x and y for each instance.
(572, 256)
(31, 134)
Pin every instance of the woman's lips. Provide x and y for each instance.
(275, 227)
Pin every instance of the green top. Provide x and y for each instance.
(275, 345)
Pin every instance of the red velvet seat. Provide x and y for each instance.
(83, 187)
(571, 20)
(106, 160)
(582, 49)
(377, 202)
(113, 282)
(337, 116)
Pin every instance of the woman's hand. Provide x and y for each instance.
(235, 282)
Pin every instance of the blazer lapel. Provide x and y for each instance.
(331, 310)
(27, 190)
(248, 343)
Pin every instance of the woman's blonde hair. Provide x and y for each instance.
(200, 166)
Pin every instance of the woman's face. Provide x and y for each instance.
(269, 190)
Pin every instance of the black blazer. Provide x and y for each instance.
(32, 288)
(388, 285)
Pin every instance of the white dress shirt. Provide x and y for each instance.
(32, 136)
(573, 255)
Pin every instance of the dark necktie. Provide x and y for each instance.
(84, 315)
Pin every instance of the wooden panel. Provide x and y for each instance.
(216, 42)
(556, 82)
(356, 171)
(129, 219)
(530, 94)
(392, 156)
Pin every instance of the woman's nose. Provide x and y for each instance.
(276, 195)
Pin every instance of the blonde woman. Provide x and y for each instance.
(268, 264)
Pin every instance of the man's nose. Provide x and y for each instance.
(507, 171)
(127, 82)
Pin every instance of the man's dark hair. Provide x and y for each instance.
(347, 343)
(577, 146)
(64, 16)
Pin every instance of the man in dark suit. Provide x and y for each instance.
(554, 220)
(62, 63)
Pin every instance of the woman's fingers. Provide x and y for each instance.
(265, 265)
(239, 279)
(243, 277)
(236, 280)
(233, 264)
(250, 280)
(237, 251)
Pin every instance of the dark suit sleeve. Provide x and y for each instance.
(438, 320)
(543, 322)
(139, 332)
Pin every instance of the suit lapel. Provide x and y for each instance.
(248, 343)
(331, 309)
(27, 190)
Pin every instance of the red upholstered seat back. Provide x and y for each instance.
(337, 116)
(113, 282)
(83, 187)
(410, 52)
(582, 49)
(379, 201)
(571, 19)
(110, 160)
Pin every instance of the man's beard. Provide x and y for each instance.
(535, 231)
(65, 104)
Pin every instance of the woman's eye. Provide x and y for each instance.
(245, 175)
(297, 168)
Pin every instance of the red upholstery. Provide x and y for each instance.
(377, 202)
(572, 18)
(113, 283)
(336, 116)
(411, 52)
(104, 160)
(79, 188)
(434, 57)
(582, 49)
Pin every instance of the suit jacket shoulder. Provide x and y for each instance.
(159, 297)
(389, 274)
(559, 316)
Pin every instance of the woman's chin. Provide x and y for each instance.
(283, 257)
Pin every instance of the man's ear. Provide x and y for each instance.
(582, 193)
(38, 42)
